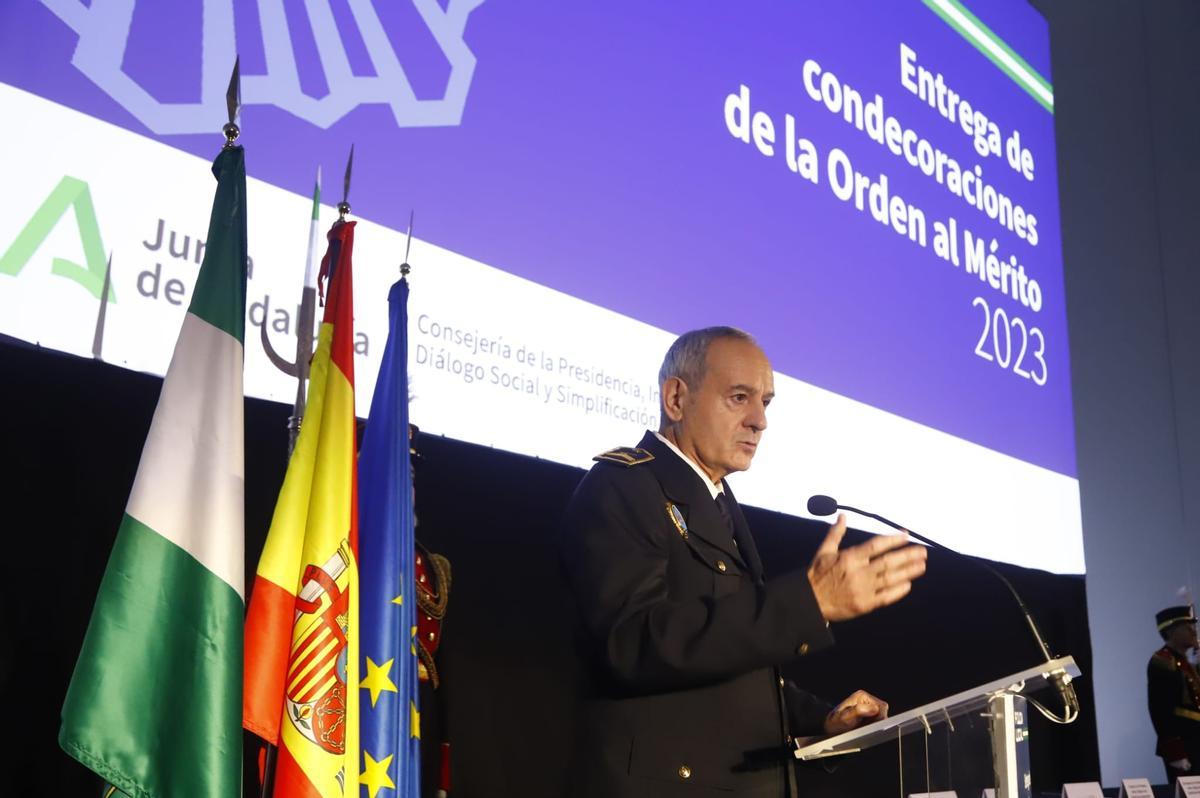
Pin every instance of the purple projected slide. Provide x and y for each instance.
(869, 188)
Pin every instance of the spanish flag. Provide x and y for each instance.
(301, 672)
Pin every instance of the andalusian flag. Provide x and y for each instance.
(390, 719)
(302, 629)
(153, 705)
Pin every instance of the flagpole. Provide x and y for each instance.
(304, 329)
(405, 268)
(308, 300)
(343, 207)
(105, 290)
(233, 102)
(300, 369)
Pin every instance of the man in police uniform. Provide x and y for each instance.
(1174, 694)
(683, 630)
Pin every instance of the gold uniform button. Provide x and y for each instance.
(803, 649)
(781, 681)
(685, 772)
(721, 566)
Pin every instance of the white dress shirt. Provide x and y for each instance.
(713, 487)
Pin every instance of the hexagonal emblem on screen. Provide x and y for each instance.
(104, 28)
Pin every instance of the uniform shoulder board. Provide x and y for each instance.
(1163, 659)
(625, 455)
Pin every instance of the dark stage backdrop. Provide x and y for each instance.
(73, 435)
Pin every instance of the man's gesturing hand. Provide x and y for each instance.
(862, 578)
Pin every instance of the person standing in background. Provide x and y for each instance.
(1173, 688)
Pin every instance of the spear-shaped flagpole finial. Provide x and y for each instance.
(344, 206)
(404, 267)
(233, 103)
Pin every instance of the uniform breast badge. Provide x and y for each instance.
(676, 517)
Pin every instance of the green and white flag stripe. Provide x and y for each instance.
(155, 703)
(997, 51)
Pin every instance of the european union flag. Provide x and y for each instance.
(390, 725)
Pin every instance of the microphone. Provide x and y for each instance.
(827, 505)
(821, 505)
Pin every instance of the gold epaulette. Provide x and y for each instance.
(626, 456)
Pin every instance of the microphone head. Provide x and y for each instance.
(822, 505)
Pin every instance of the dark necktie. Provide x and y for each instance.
(745, 548)
(726, 514)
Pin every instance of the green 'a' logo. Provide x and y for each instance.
(70, 193)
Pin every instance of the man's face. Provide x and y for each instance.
(724, 417)
(1183, 636)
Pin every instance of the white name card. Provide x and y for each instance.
(946, 794)
(1082, 789)
(1187, 787)
(1135, 788)
(989, 792)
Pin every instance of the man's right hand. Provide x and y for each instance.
(858, 580)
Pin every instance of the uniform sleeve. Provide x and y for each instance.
(806, 712)
(1164, 689)
(616, 555)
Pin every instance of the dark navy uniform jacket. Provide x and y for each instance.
(682, 634)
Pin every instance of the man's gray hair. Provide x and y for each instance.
(687, 357)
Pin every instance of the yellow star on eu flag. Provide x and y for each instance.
(377, 680)
(375, 774)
